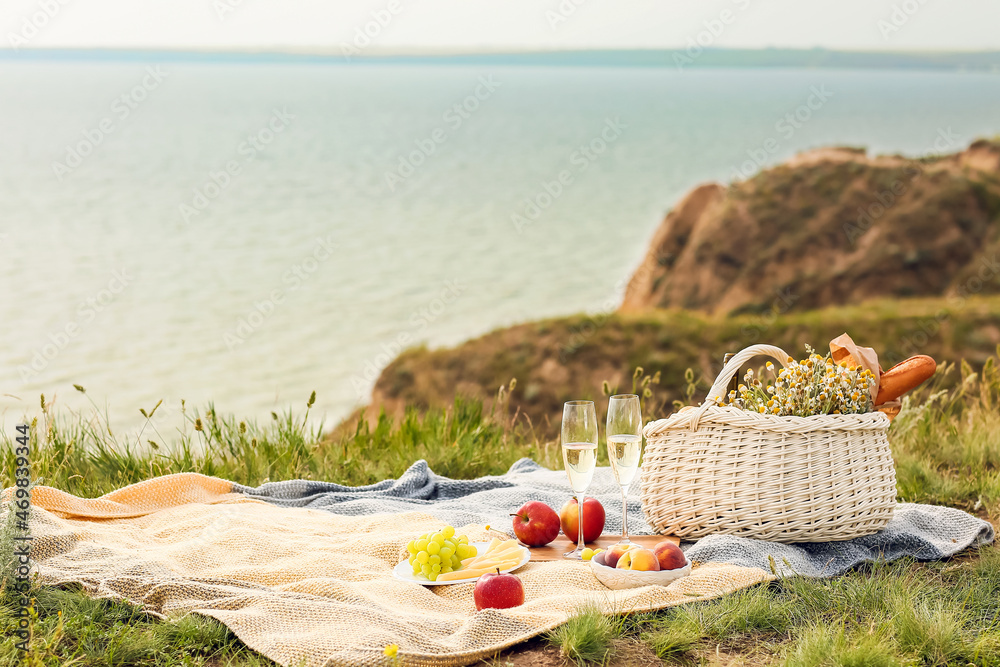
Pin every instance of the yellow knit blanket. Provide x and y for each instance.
(308, 586)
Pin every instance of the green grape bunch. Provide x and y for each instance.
(432, 554)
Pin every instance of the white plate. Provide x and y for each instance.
(404, 571)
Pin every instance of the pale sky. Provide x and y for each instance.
(472, 25)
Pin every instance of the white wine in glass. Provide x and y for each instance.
(624, 435)
(580, 459)
(624, 452)
(579, 448)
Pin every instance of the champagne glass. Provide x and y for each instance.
(624, 435)
(579, 448)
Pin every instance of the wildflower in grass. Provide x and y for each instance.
(391, 650)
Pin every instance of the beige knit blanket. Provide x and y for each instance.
(305, 586)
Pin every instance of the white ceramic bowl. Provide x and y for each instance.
(618, 579)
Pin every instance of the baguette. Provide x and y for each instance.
(890, 409)
(903, 377)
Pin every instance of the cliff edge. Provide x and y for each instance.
(829, 227)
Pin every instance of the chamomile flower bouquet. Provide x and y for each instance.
(814, 386)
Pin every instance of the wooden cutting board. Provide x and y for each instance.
(554, 550)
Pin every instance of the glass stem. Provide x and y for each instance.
(579, 523)
(624, 514)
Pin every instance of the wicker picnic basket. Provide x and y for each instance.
(724, 470)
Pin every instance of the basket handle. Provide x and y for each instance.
(718, 389)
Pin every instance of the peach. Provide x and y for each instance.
(612, 555)
(643, 559)
(669, 555)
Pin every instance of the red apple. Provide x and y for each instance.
(536, 523)
(593, 519)
(498, 591)
(669, 555)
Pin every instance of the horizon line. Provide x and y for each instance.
(463, 51)
(678, 58)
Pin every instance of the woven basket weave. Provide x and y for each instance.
(785, 479)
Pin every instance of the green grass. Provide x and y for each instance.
(946, 444)
(834, 646)
(70, 628)
(587, 637)
(907, 614)
(675, 640)
(887, 614)
(86, 459)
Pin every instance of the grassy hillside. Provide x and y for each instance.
(830, 226)
(568, 358)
